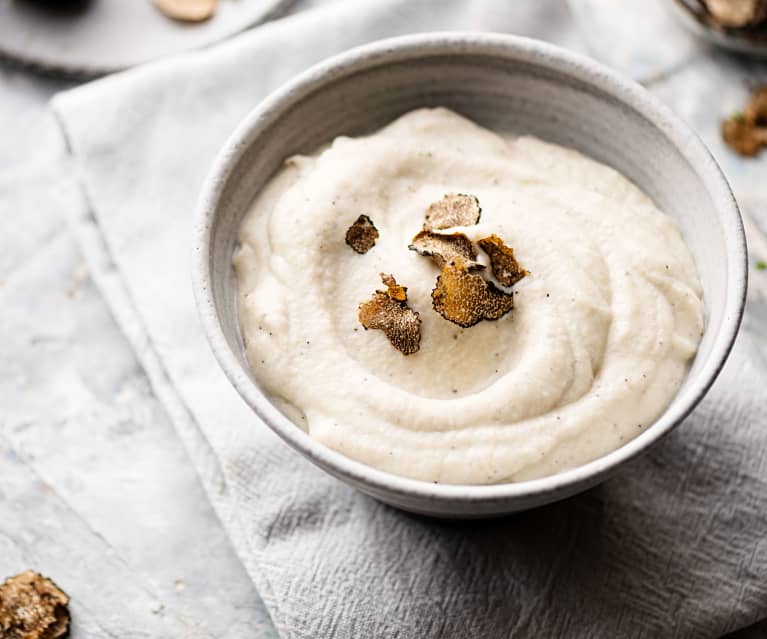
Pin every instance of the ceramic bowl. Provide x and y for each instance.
(504, 83)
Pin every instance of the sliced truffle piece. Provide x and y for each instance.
(33, 607)
(466, 298)
(442, 248)
(743, 138)
(362, 235)
(388, 311)
(505, 267)
(455, 209)
(736, 13)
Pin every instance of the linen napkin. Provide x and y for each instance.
(673, 545)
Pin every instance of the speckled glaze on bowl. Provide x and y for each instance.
(504, 83)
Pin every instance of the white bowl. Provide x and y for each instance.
(505, 83)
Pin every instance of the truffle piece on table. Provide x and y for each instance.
(33, 607)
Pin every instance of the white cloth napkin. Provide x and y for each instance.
(674, 545)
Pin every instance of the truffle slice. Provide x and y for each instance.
(743, 138)
(465, 298)
(455, 209)
(362, 235)
(394, 290)
(746, 133)
(505, 267)
(442, 248)
(736, 13)
(388, 311)
(33, 607)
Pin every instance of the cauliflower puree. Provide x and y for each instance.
(598, 342)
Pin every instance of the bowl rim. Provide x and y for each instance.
(533, 51)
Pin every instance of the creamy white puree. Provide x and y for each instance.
(597, 345)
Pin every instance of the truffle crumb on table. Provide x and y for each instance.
(33, 607)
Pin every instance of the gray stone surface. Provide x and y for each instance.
(96, 489)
